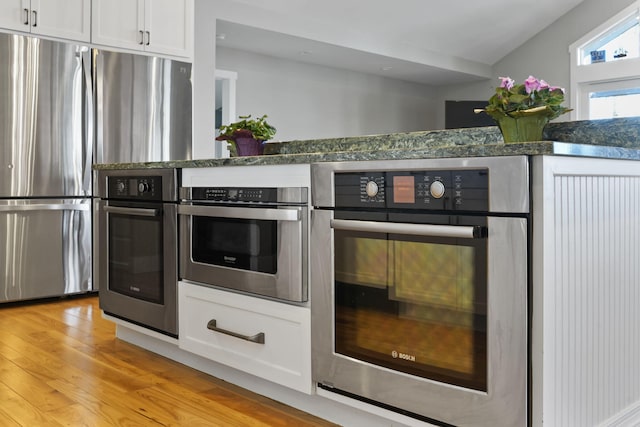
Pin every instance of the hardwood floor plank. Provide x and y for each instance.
(78, 415)
(7, 421)
(32, 390)
(177, 411)
(8, 352)
(21, 411)
(60, 355)
(221, 399)
(61, 365)
(203, 405)
(106, 405)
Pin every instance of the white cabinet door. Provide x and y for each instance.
(13, 15)
(169, 26)
(118, 23)
(67, 19)
(156, 26)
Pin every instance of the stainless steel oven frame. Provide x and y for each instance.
(506, 400)
(290, 282)
(160, 317)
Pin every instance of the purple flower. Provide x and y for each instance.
(506, 82)
(533, 96)
(531, 84)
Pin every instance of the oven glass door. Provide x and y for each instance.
(413, 303)
(135, 250)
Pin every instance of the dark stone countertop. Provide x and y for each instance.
(612, 138)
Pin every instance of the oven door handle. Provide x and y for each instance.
(454, 231)
(132, 211)
(241, 213)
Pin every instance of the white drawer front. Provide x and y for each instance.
(283, 358)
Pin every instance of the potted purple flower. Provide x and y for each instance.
(246, 137)
(523, 110)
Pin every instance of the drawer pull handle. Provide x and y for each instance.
(257, 338)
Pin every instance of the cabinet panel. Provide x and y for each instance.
(155, 26)
(283, 358)
(13, 16)
(118, 23)
(170, 26)
(586, 292)
(68, 19)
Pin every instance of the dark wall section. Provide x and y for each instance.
(460, 114)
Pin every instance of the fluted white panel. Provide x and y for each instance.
(591, 298)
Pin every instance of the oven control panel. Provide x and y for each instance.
(459, 190)
(227, 194)
(135, 188)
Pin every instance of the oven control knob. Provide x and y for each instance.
(371, 189)
(120, 187)
(437, 189)
(143, 187)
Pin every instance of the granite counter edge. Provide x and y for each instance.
(475, 150)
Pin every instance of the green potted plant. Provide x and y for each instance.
(246, 137)
(523, 110)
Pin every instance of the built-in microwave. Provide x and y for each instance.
(252, 240)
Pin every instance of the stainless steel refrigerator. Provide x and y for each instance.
(143, 108)
(45, 168)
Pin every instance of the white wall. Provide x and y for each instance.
(545, 55)
(204, 85)
(306, 101)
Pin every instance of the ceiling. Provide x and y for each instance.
(435, 42)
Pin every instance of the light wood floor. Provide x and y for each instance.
(61, 365)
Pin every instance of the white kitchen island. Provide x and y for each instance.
(584, 293)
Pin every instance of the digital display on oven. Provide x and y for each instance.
(404, 189)
(133, 187)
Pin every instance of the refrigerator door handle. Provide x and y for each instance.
(89, 118)
(45, 207)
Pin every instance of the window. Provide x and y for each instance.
(619, 42)
(614, 99)
(605, 69)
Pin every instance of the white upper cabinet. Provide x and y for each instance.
(118, 23)
(158, 26)
(67, 19)
(170, 24)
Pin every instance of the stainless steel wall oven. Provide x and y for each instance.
(419, 286)
(247, 239)
(136, 246)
